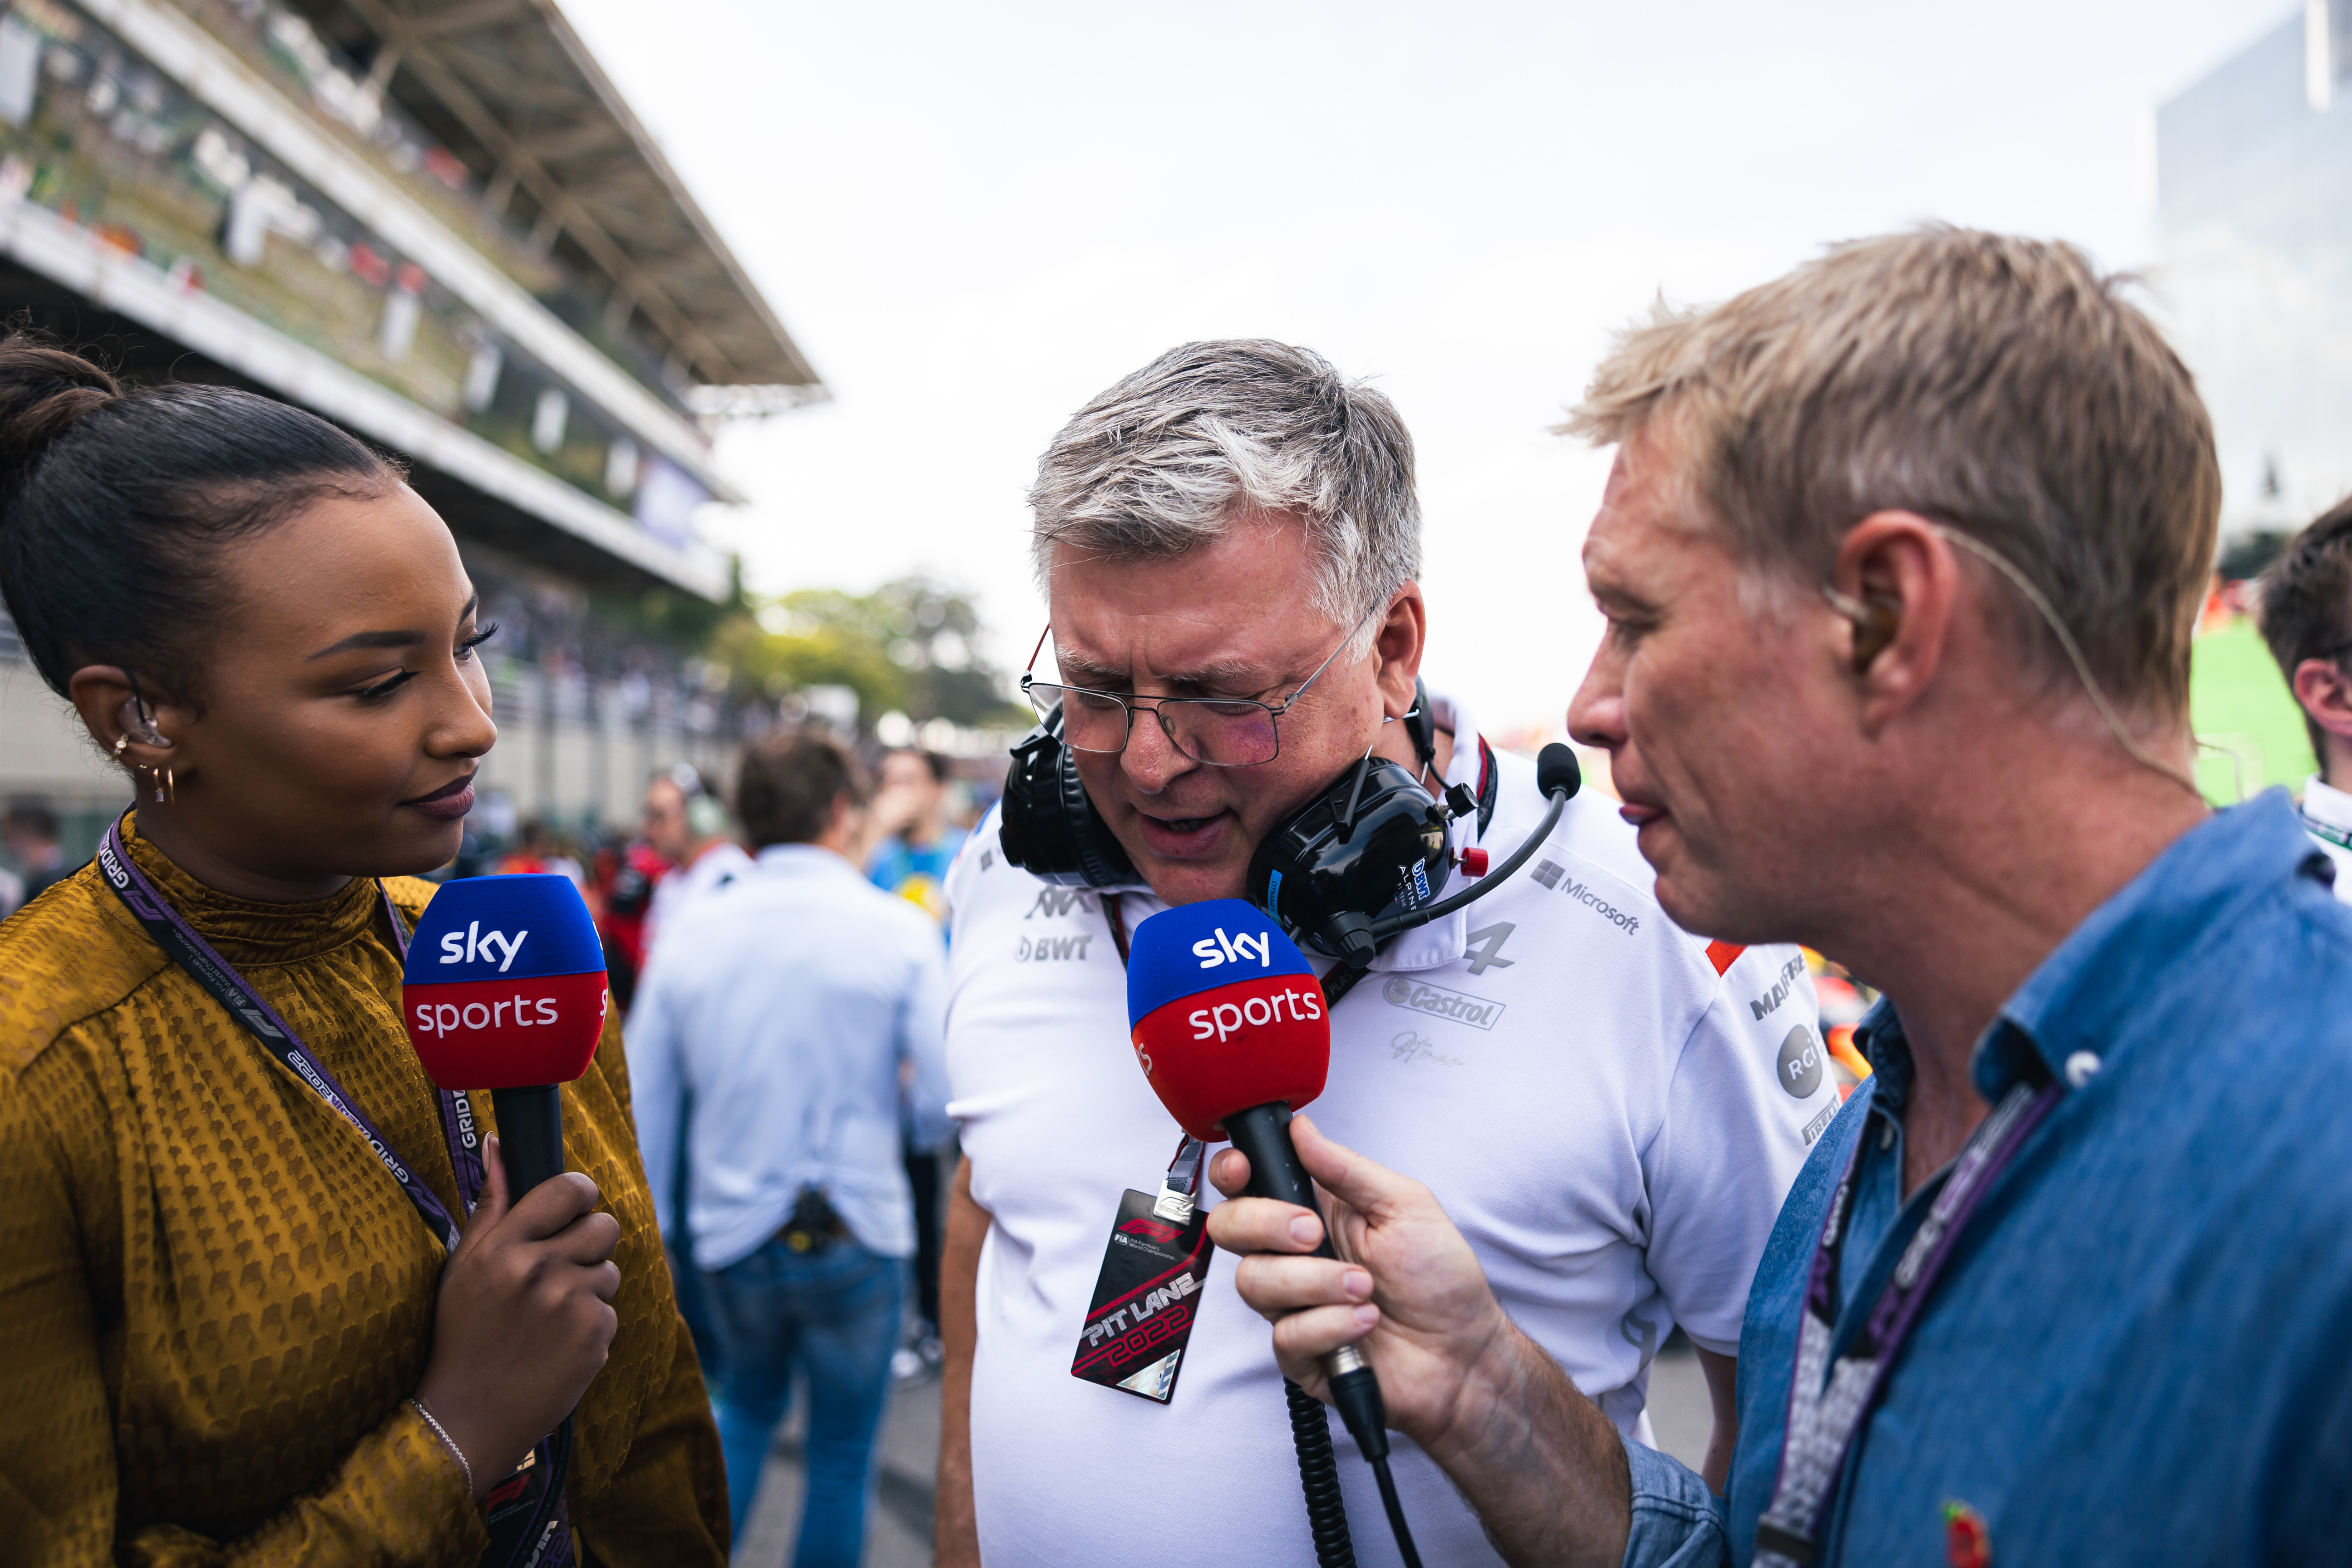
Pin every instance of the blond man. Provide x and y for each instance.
(1900, 558)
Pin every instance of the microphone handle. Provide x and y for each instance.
(531, 1134)
(1262, 1133)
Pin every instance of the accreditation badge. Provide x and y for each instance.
(1153, 1268)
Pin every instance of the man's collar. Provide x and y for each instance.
(803, 859)
(1884, 1045)
(2327, 805)
(2080, 996)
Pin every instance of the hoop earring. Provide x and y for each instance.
(165, 786)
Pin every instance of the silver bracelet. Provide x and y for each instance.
(448, 1442)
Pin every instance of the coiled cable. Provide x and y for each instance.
(1319, 1477)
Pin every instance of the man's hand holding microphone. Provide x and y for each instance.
(1544, 1468)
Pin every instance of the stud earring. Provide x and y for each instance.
(120, 741)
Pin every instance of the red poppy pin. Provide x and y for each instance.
(1967, 1540)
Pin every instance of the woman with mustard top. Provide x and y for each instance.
(228, 1335)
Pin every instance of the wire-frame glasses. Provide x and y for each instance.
(1222, 732)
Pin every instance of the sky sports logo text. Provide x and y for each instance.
(1226, 1017)
(1549, 873)
(457, 948)
(1223, 949)
(1439, 1002)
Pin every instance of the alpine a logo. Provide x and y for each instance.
(1415, 996)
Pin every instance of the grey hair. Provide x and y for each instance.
(1162, 462)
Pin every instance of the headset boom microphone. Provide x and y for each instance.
(505, 990)
(1230, 1026)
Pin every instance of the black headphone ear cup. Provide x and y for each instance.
(1101, 858)
(1048, 826)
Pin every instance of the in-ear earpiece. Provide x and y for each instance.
(138, 724)
(1876, 618)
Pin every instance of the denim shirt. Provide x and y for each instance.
(2141, 1349)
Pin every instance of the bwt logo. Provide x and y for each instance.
(456, 949)
(1223, 949)
(1049, 949)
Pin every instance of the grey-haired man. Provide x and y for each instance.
(1599, 1098)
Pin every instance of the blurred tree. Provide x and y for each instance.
(687, 622)
(910, 645)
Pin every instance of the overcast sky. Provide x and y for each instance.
(972, 218)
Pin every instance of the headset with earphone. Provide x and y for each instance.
(1357, 862)
(706, 814)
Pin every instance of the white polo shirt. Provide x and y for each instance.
(1609, 1110)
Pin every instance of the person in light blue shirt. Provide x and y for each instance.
(1900, 559)
(790, 1012)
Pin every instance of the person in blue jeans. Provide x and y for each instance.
(831, 1311)
(776, 1029)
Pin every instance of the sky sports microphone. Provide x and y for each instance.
(504, 990)
(1230, 1026)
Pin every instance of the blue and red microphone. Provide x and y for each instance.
(505, 990)
(1230, 1028)
(1226, 1016)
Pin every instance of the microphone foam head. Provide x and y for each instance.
(504, 987)
(1225, 1014)
(1556, 769)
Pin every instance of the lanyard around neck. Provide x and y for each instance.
(186, 947)
(1829, 1401)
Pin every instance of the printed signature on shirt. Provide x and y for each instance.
(1411, 1048)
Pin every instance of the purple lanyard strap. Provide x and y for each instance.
(1829, 1402)
(533, 1529)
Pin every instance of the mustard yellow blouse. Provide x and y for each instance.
(215, 1300)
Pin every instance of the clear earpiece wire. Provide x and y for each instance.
(1846, 604)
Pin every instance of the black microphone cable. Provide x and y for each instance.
(1356, 1395)
(1319, 1477)
(1262, 1134)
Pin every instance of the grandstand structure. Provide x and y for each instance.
(437, 224)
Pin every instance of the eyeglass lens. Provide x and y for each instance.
(1229, 733)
